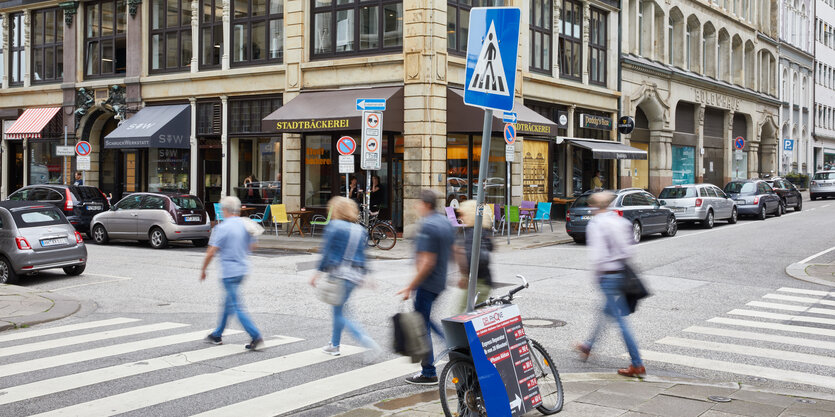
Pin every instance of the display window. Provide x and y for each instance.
(44, 166)
(168, 170)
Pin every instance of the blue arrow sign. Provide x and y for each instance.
(491, 57)
(509, 117)
(372, 104)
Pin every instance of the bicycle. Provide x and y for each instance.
(380, 232)
(459, 377)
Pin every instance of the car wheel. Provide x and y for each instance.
(74, 270)
(7, 274)
(813, 197)
(672, 227)
(734, 216)
(636, 232)
(200, 243)
(799, 205)
(762, 214)
(578, 240)
(781, 208)
(99, 235)
(157, 238)
(708, 222)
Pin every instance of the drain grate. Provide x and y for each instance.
(538, 322)
(806, 401)
(719, 399)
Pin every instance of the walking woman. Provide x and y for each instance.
(343, 259)
(464, 253)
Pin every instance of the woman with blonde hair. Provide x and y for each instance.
(464, 252)
(343, 258)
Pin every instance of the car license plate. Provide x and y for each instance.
(193, 218)
(679, 209)
(740, 201)
(45, 243)
(585, 217)
(95, 207)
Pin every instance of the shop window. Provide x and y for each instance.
(170, 35)
(257, 31)
(540, 25)
(259, 171)
(245, 115)
(571, 40)
(209, 118)
(211, 33)
(16, 49)
(346, 27)
(685, 117)
(597, 46)
(168, 170)
(684, 164)
(458, 21)
(317, 170)
(463, 163)
(44, 167)
(535, 174)
(105, 38)
(47, 45)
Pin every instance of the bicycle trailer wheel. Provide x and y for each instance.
(548, 380)
(459, 390)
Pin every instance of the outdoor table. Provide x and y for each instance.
(300, 218)
(531, 213)
(247, 211)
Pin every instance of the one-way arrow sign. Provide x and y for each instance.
(509, 117)
(371, 104)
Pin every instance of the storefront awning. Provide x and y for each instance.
(153, 127)
(462, 118)
(334, 111)
(32, 123)
(606, 149)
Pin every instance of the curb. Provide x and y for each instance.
(62, 307)
(798, 271)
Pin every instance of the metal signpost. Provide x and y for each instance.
(490, 82)
(371, 152)
(509, 150)
(739, 143)
(346, 146)
(82, 161)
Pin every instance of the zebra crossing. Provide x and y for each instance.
(788, 335)
(122, 365)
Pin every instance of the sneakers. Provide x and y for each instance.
(214, 339)
(419, 379)
(331, 350)
(633, 371)
(583, 350)
(255, 344)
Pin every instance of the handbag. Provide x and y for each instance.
(632, 287)
(410, 337)
(331, 289)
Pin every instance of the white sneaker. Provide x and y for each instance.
(331, 350)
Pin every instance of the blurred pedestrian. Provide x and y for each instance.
(609, 239)
(343, 259)
(433, 246)
(464, 254)
(232, 243)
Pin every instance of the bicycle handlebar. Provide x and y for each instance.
(505, 299)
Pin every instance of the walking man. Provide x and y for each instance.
(609, 238)
(232, 243)
(433, 247)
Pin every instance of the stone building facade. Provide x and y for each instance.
(824, 144)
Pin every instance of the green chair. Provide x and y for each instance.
(319, 220)
(512, 216)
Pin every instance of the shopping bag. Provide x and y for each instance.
(330, 290)
(410, 338)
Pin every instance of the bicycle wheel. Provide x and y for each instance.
(460, 383)
(383, 235)
(548, 380)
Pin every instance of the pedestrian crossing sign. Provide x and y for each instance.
(491, 57)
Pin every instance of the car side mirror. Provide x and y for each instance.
(663, 203)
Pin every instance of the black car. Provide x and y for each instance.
(754, 198)
(641, 208)
(79, 203)
(788, 193)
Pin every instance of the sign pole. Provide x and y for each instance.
(348, 185)
(508, 202)
(482, 173)
(367, 211)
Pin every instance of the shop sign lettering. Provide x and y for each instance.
(171, 139)
(715, 99)
(532, 128)
(596, 122)
(316, 156)
(311, 124)
(142, 126)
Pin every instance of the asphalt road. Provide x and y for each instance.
(701, 279)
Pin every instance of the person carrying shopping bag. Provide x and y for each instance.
(464, 253)
(343, 260)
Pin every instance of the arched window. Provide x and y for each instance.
(785, 85)
(709, 50)
(795, 90)
(803, 92)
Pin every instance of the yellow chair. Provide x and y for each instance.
(279, 215)
(490, 213)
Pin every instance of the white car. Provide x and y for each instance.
(822, 185)
(703, 203)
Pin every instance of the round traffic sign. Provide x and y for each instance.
(371, 144)
(346, 145)
(509, 133)
(83, 148)
(372, 121)
(739, 142)
(626, 125)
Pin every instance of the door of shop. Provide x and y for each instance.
(209, 175)
(14, 165)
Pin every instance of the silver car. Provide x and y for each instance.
(34, 237)
(822, 185)
(156, 218)
(704, 203)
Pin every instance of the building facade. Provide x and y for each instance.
(256, 93)
(824, 143)
(697, 75)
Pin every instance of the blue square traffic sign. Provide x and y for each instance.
(788, 145)
(491, 57)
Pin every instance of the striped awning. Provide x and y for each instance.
(31, 123)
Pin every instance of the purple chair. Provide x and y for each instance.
(453, 220)
(526, 216)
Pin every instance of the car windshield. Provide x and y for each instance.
(678, 192)
(45, 216)
(825, 176)
(582, 201)
(187, 202)
(740, 187)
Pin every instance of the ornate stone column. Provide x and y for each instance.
(196, 11)
(728, 152)
(5, 40)
(224, 145)
(555, 39)
(700, 143)
(227, 37)
(192, 172)
(660, 165)
(753, 160)
(584, 64)
(135, 40)
(27, 48)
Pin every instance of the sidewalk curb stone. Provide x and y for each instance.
(798, 271)
(61, 307)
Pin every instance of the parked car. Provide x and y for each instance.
(822, 185)
(703, 203)
(641, 208)
(79, 203)
(35, 237)
(788, 193)
(156, 218)
(754, 198)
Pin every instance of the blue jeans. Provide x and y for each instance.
(233, 305)
(615, 308)
(423, 305)
(340, 322)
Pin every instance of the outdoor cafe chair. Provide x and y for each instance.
(279, 215)
(453, 220)
(511, 215)
(319, 220)
(218, 212)
(261, 217)
(543, 214)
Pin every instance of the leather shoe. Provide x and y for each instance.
(633, 371)
(583, 350)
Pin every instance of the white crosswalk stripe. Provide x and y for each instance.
(794, 345)
(18, 335)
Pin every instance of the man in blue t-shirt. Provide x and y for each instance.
(433, 247)
(232, 243)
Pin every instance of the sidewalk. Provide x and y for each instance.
(23, 307)
(818, 273)
(404, 248)
(605, 395)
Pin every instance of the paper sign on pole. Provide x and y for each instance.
(346, 164)
(509, 151)
(82, 163)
